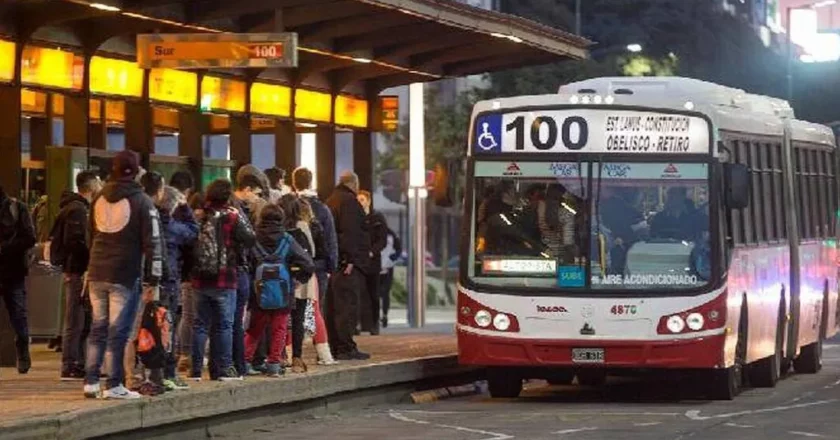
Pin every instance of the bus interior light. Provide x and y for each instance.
(584, 100)
(574, 99)
(609, 100)
(483, 318)
(597, 99)
(689, 105)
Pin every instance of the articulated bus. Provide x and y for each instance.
(636, 224)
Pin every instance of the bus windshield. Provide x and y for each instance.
(601, 225)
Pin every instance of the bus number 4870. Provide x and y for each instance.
(623, 310)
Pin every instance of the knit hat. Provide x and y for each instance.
(126, 165)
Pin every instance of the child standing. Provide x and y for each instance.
(271, 236)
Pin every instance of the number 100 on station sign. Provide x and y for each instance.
(200, 51)
(590, 131)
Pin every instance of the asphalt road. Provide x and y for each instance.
(800, 407)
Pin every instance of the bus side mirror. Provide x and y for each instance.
(736, 185)
(445, 183)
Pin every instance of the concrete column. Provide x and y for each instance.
(285, 146)
(139, 127)
(363, 158)
(193, 126)
(76, 120)
(240, 140)
(40, 135)
(325, 153)
(10, 179)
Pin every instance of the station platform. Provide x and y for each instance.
(39, 405)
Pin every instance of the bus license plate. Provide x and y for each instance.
(588, 355)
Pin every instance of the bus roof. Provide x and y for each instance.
(730, 109)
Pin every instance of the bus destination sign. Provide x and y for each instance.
(201, 51)
(590, 131)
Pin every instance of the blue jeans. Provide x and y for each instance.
(243, 292)
(214, 311)
(113, 310)
(76, 323)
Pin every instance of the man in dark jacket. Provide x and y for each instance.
(126, 248)
(302, 183)
(377, 226)
(354, 258)
(70, 242)
(17, 237)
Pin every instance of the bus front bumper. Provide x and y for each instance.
(485, 350)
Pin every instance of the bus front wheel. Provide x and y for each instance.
(503, 383)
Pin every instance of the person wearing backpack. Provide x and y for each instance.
(69, 249)
(17, 237)
(280, 263)
(216, 277)
(126, 250)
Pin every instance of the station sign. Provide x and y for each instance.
(387, 114)
(224, 50)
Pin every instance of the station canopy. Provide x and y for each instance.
(355, 46)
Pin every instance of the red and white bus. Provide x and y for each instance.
(647, 223)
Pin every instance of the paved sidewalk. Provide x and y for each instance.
(38, 405)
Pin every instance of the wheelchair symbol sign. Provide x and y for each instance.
(488, 134)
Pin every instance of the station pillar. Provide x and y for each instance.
(363, 158)
(193, 126)
(10, 179)
(285, 146)
(240, 140)
(139, 127)
(325, 157)
(98, 128)
(76, 120)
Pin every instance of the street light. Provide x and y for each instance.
(635, 47)
(788, 13)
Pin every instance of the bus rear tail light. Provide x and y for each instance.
(472, 313)
(709, 316)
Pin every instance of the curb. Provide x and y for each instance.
(438, 394)
(178, 408)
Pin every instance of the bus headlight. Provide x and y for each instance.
(695, 321)
(676, 324)
(501, 322)
(483, 318)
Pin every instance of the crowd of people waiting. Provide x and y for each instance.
(154, 274)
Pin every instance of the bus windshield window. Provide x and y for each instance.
(654, 226)
(643, 226)
(529, 220)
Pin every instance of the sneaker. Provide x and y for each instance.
(195, 377)
(176, 383)
(230, 375)
(120, 392)
(148, 389)
(384, 322)
(274, 370)
(72, 374)
(251, 371)
(260, 367)
(93, 391)
(353, 356)
(23, 365)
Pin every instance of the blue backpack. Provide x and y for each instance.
(273, 281)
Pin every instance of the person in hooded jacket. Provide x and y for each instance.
(125, 250)
(270, 230)
(72, 232)
(181, 233)
(378, 228)
(327, 263)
